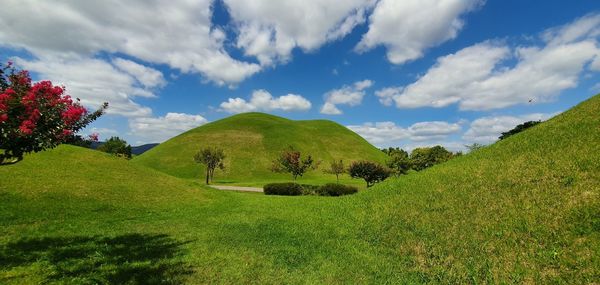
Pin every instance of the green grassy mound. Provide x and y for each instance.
(524, 210)
(252, 140)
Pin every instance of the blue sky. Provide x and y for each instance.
(400, 73)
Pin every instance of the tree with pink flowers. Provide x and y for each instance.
(36, 116)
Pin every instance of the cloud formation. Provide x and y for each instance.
(347, 95)
(96, 81)
(486, 130)
(176, 33)
(159, 129)
(476, 77)
(270, 30)
(408, 27)
(262, 100)
(389, 134)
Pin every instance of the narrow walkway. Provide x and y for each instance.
(237, 188)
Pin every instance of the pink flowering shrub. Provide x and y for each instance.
(37, 116)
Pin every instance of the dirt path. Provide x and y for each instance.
(237, 188)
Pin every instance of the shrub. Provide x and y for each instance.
(333, 189)
(286, 189)
(308, 189)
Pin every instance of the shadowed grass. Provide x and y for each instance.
(125, 259)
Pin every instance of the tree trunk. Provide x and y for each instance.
(207, 175)
(337, 177)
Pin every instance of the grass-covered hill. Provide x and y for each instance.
(524, 210)
(252, 140)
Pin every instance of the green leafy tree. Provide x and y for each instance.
(116, 146)
(425, 157)
(291, 161)
(336, 167)
(518, 129)
(371, 172)
(212, 158)
(398, 161)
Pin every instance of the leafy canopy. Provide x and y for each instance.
(116, 146)
(371, 172)
(291, 161)
(212, 158)
(399, 161)
(336, 167)
(38, 116)
(519, 128)
(425, 157)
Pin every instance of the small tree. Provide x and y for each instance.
(371, 172)
(290, 161)
(35, 117)
(116, 146)
(398, 161)
(212, 158)
(518, 129)
(336, 167)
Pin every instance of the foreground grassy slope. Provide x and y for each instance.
(252, 140)
(524, 210)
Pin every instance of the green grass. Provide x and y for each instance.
(524, 210)
(251, 142)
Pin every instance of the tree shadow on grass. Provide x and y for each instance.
(125, 259)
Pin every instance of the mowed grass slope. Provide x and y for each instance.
(524, 210)
(251, 142)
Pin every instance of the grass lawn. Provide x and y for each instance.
(524, 210)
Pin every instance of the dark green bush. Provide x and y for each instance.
(287, 189)
(333, 189)
(308, 189)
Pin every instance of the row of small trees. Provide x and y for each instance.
(291, 161)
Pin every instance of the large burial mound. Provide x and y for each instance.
(252, 140)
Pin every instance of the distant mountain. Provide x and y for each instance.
(135, 150)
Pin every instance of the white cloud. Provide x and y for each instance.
(408, 27)
(262, 100)
(146, 76)
(419, 134)
(486, 130)
(176, 33)
(330, 109)
(347, 95)
(386, 95)
(94, 82)
(159, 129)
(475, 79)
(270, 30)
